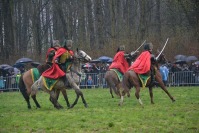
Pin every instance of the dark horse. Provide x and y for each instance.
(112, 79)
(131, 79)
(79, 56)
(26, 80)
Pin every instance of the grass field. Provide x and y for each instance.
(103, 114)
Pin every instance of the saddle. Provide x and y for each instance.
(43, 67)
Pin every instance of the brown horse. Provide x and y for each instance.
(131, 79)
(80, 56)
(112, 78)
(26, 81)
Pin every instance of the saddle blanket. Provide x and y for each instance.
(119, 74)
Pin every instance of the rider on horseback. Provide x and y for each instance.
(62, 62)
(119, 61)
(51, 52)
(142, 64)
(64, 56)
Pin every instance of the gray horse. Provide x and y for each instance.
(73, 81)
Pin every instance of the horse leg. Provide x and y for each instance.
(117, 90)
(122, 98)
(161, 84)
(138, 95)
(151, 94)
(27, 98)
(35, 100)
(78, 93)
(65, 97)
(33, 92)
(53, 99)
(111, 92)
(58, 92)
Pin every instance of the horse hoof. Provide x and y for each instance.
(68, 106)
(86, 106)
(71, 107)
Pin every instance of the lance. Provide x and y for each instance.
(139, 47)
(127, 55)
(162, 49)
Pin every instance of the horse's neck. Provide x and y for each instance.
(77, 66)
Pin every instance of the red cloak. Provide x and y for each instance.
(142, 64)
(119, 62)
(55, 72)
(59, 52)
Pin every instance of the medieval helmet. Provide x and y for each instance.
(148, 46)
(122, 48)
(56, 43)
(68, 44)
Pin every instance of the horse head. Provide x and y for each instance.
(81, 55)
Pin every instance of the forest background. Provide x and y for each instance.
(28, 27)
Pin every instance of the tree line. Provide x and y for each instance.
(28, 27)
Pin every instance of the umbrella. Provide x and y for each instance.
(8, 68)
(87, 65)
(18, 65)
(110, 61)
(191, 58)
(104, 58)
(2, 66)
(180, 62)
(35, 64)
(23, 60)
(180, 57)
(197, 62)
(95, 61)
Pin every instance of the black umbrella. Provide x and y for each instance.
(110, 61)
(180, 62)
(35, 64)
(95, 61)
(180, 57)
(2, 66)
(8, 67)
(191, 58)
(104, 58)
(23, 60)
(18, 65)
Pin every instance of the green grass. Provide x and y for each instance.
(103, 114)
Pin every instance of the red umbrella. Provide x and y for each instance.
(87, 65)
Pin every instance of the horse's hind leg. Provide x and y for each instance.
(27, 98)
(35, 100)
(151, 94)
(34, 90)
(111, 92)
(137, 94)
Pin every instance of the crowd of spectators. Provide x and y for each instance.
(93, 73)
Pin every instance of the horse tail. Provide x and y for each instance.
(22, 87)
